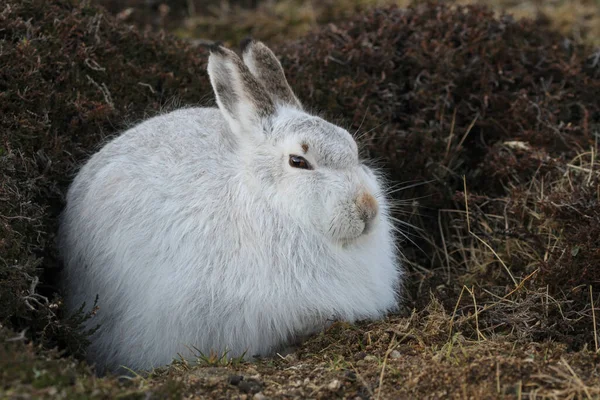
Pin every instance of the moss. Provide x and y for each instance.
(27, 371)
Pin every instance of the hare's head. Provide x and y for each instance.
(307, 167)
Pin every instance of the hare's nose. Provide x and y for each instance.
(367, 207)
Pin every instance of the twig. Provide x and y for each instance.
(589, 179)
(497, 377)
(148, 86)
(444, 244)
(362, 380)
(451, 134)
(462, 140)
(104, 90)
(594, 319)
(576, 377)
(454, 312)
(472, 291)
(93, 65)
(466, 203)
(385, 358)
(19, 337)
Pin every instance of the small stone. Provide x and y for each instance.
(334, 385)
(350, 375)
(360, 355)
(245, 387)
(250, 386)
(370, 358)
(235, 379)
(213, 380)
(395, 354)
(259, 396)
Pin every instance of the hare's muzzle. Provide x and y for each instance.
(367, 208)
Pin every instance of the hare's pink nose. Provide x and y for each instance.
(367, 207)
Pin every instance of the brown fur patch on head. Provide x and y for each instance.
(245, 43)
(216, 47)
(265, 66)
(305, 147)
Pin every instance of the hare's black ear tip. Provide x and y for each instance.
(247, 41)
(216, 48)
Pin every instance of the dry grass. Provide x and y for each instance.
(518, 231)
(422, 355)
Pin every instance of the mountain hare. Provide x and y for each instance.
(235, 229)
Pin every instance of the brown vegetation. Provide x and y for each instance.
(467, 102)
(282, 20)
(69, 78)
(488, 127)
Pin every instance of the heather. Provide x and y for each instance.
(487, 127)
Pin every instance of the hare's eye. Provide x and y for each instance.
(299, 162)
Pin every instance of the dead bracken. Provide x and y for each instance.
(488, 126)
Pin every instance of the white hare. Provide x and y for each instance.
(239, 228)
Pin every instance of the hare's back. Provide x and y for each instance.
(179, 136)
(164, 150)
(159, 168)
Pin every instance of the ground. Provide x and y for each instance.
(486, 125)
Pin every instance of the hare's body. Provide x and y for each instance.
(189, 243)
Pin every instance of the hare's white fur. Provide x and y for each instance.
(194, 230)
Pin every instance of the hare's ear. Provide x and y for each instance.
(242, 99)
(267, 69)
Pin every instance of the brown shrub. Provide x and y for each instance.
(457, 98)
(437, 94)
(69, 77)
(421, 78)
